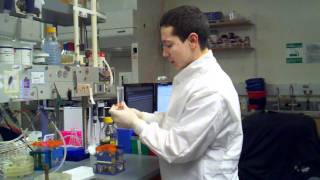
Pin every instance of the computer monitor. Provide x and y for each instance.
(140, 96)
(163, 94)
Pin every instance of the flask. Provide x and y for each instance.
(52, 47)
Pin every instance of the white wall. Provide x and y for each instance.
(150, 64)
(121, 63)
(276, 23)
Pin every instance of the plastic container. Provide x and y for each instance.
(214, 16)
(124, 139)
(23, 56)
(257, 94)
(40, 57)
(72, 138)
(76, 154)
(254, 80)
(6, 54)
(52, 47)
(137, 147)
(110, 135)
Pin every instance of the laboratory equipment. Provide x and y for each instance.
(40, 57)
(110, 135)
(73, 137)
(109, 160)
(76, 154)
(140, 96)
(120, 94)
(48, 152)
(18, 166)
(67, 54)
(52, 47)
(6, 54)
(15, 160)
(23, 55)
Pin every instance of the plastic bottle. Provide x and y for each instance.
(52, 47)
(110, 132)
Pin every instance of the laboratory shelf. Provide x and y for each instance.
(58, 13)
(230, 23)
(232, 49)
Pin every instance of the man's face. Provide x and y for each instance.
(177, 52)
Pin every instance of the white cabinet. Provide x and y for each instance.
(119, 19)
(117, 5)
(65, 33)
(20, 28)
(128, 31)
(118, 24)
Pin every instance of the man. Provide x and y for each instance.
(200, 137)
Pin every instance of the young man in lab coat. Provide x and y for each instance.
(200, 136)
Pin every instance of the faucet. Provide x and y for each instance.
(292, 97)
(278, 98)
(307, 94)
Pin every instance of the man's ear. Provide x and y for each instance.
(193, 39)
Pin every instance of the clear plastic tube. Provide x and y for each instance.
(65, 149)
(120, 94)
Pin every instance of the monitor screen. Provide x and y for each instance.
(163, 96)
(140, 96)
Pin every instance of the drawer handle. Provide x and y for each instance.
(121, 31)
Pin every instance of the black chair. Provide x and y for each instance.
(279, 146)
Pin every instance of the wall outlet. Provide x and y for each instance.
(83, 89)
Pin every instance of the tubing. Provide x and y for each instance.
(111, 74)
(65, 149)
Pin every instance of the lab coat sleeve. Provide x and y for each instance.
(153, 117)
(191, 136)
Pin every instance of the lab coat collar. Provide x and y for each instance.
(192, 67)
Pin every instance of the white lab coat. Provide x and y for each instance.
(200, 137)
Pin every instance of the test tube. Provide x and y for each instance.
(120, 95)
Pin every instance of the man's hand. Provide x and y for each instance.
(124, 116)
(138, 113)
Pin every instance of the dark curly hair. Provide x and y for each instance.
(185, 20)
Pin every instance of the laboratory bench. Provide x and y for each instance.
(138, 167)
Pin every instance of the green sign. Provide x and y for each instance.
(294, 53)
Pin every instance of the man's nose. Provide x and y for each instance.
(165, 53)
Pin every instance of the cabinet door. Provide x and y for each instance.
(118, 19)
(8, 25)
(120, 23)
(117, 32)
